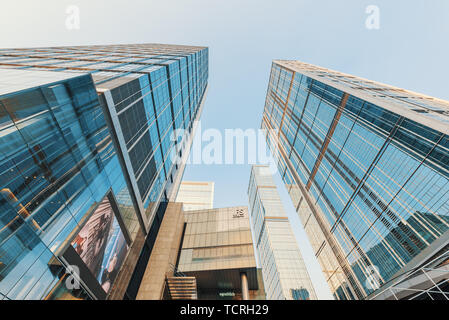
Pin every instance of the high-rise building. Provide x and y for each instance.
(203, 254)
(196, 195)
(217, 250)
(86, 156)
(283, 269)
(367, 168)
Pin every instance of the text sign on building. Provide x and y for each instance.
(238, 213)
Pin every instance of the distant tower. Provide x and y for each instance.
(196, 195)
(283, 269)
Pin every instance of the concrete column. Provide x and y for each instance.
(164, 254)
(245, 292)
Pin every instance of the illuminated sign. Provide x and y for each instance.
(226, 294)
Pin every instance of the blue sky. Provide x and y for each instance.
(410, 50)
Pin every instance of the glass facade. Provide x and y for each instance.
(58, 162)
(284, 272)
(196, 195)
(80, 124)
(429, 281)
(366, 166)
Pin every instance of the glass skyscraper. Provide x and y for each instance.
(284, 272)
(86, 161)
(367, 168)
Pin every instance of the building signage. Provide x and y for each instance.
(238, 213)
